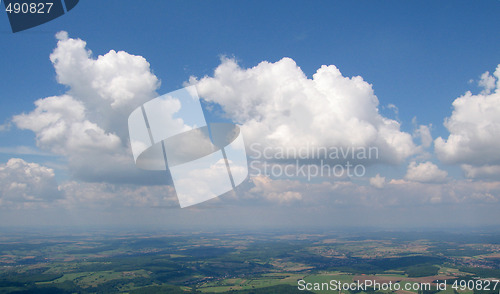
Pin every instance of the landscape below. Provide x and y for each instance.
(242, 262)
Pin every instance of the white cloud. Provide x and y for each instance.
(31, 185)
(395, 109)
(279, 106)
(377, 181)
(116, 80)
(5, 127)
(60, 126)
(452, 192)
(88, 124)
(474, 128)
(24, 184)
(23, 150)
(425, 172)
(483, 172)
(281, 191)
(424, 134)
(105, 196)
(394, 193)
(487, 82)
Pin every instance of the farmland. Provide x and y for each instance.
(237, 262)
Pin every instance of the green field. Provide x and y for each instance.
(239, 263)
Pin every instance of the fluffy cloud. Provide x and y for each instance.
(30, 185)
(88, 124)
(451, 192)
(474, 128)
(484, 171)
(377, 181)
(279, 106)
(424, 133)
(487, 82)
(106, 196)
(282, 191)
(60, 126)
(394, 193)
(24, 184)
(5, 127)
(425, 172)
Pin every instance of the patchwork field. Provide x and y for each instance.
(163, 262)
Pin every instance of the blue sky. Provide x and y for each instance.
(418, 56)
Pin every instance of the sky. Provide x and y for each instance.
(417, 81)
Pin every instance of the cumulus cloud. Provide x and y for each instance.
(60, 126)
(426, 172)
(424, 134)
(88, 124)
(106, 196)
(394, 193)
(484, 171)
(377, 181)
(23, 150)
(31, 185)
(279, 106)
(24, 184)
(5, 127)
(451, 192)
(276, 103)
(395, 109)
(115, 80)
(282, 191)
(474, 128)
(487, 82)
